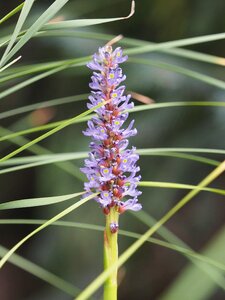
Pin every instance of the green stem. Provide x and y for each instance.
(111, 255)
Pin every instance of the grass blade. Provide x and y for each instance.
(12, 13)
(22, 18)
(135, 246)
(192, 150)
(43, 104)
(203, 288)
(128, 42)
(173, 185)
(214, 275)
(49, 133)
(176, 43)
(182, 250)
(40, 273)
(44, 18)
(71, 156)
(135, 42)
(34, 202)
(29, 81)
(46, 224)
(9, 64)
(40, 160)
(184, 71)
(67, 167)
(86, 22)
(135, 109)
(48, 15)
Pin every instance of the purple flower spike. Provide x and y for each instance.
(111, 167)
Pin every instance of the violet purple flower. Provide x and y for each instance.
(111, 168)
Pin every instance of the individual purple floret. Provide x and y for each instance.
(111, 167)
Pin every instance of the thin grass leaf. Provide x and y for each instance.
(10, 64)
(181, 250)
(70, 156)
(192, 150)
(40, 160)
(173, 185)
(21, 71)
(196, 158)
(37, 149)
(135, 42)
(40, 273)
(184, 71)
(218, 279)
(76, 62)
(44, 18)
(176, 43)
(12, 13)
(38, 67)
(29, 81)
(43, 104)
(48, 15)
(34, 202)
(214, 275)
(170, 67)
(49, 133)
(135, 109)
(87, 292)
(46, 224)
(128, 42)
(202, 287)
(177, 104)
(43, 162)
(22, 18)
(86, 22)
(193, 55)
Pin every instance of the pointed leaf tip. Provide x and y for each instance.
(132, 10)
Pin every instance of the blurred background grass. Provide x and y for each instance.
(76, 255)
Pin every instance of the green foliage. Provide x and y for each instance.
(207, 268)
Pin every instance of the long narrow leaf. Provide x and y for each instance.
(135, 246)
(135, 109)
(173, 185)
(40, 273)
(29, 81)
(181, 250)
(128, 42)
(35, 161)
(177, 43)
(70, 156)
(48, 14)
(49, 133)
(202, 286)
(43, 104)
(22, 18)
(38, 149)
(136, 42)
(181, 70)
(10, 64)
(46, 224)
(44, 18)
(214, 275)
(34, 202)
(85, 22)
(12, 13)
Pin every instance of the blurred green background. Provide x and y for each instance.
(76, 254)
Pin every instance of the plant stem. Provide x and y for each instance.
(111, 255)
